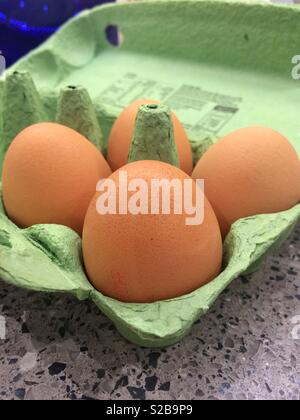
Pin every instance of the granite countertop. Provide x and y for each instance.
(55, 347)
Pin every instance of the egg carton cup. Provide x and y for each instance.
(215, 64)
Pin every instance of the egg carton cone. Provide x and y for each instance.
(75, 109)
(153, 137)
(21, 107)
(219, 65)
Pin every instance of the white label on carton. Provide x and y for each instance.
(199, 110)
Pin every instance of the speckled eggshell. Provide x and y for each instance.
(251, 171)
(146, 258)
(122, 133)
(50, 174)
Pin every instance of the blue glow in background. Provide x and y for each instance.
(24, 24)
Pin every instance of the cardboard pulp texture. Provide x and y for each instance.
(220, 65)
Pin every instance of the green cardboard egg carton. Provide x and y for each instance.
(220, 65)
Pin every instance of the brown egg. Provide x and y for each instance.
(122, 133)
(251, 171)
(49, 176)
(150, 257)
